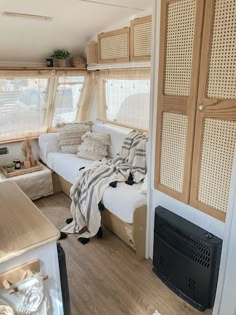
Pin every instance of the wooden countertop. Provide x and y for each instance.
(22, 226)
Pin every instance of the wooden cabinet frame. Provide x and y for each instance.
(138, 21)
(207, 108)
(178, 104)
(126, 31)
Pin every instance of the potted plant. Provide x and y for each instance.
(10, 167)
(61, 56)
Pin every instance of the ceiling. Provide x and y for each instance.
(74, 23)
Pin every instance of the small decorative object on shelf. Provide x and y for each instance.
(78, 62)
(17, 164)
(61, 56)
(10, 167)
(4, 150)
(49, 62)
(28, 154)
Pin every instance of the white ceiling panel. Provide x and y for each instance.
(74, 23)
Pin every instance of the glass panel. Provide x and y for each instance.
(22, 106)
(127, 102)
(67, 99)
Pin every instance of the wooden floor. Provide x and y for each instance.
(104, 276)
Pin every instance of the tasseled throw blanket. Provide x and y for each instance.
(92, 181)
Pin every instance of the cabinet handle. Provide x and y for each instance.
(201, 107)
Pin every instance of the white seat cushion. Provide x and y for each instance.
(66, 165)
(123, 200)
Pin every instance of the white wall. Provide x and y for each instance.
(225, 296)
(157, 198)
(15, 152)
(28, 41)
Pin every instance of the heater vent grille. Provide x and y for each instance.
(195, 250)
(186, 258)
(191, 284)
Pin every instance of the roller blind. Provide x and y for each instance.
(23, 105)
(125, 98)
(67, 98)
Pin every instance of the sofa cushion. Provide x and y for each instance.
(117, 135)
(48, 142)
(70, 135)
(123, 200)
(94, 146)
(66, 165)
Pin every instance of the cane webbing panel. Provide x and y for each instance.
(116, 46)
(222, 68)
(179, 47)
(218, 147)
(173, 149)
(142, 39)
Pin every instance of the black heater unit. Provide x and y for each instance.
(186, 258)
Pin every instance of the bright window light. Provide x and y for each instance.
(22, 106)
(67, 99)
(127, 102)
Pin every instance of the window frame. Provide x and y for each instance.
(53, 77)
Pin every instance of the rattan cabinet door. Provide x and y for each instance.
(181, 28)
(141, 39)
(114, 46)
(215, 136)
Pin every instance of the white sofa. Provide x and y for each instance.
(125, 203)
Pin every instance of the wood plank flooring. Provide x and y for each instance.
(104, 276)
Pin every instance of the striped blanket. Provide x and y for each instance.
(91, 183)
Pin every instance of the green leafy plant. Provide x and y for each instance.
(61, 54)
(10, 165)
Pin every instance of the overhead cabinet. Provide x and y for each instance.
(196, 119)
(114, 46)
(128, 44)
(141, 39)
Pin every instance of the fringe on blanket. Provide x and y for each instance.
(91, 183)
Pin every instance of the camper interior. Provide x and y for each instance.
(117, 157)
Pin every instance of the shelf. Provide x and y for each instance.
(41, 69)
(124, 65)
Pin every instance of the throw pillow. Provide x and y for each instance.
(70, 135)
(95, 146)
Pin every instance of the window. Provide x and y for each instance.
(124, 97)
(22, 106)
(32, 101)
(67, 99)
(127, 102)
